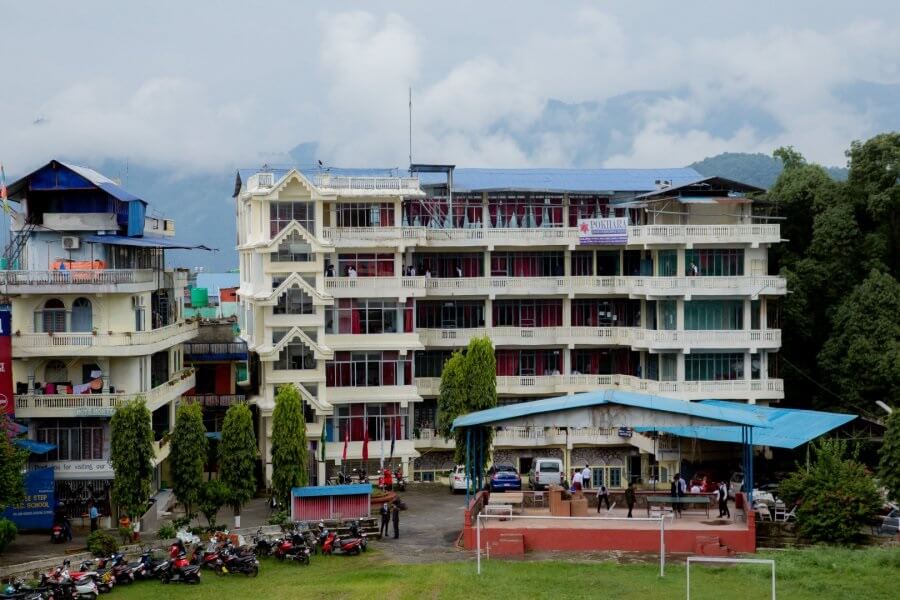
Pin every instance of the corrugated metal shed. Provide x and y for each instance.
(561, 180)
(141, 242)
(331, 502)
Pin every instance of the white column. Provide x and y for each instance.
(679, 367)
(748, 306)
(567, 312)
(680, 262)
(763, 314)
(567, 361)
(679, 314)
(488, 314)
(567, 263)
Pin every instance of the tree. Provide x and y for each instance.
(836, 495)
(131, 455)
(212, 497)
(889, 465)
(189, 448)
(12, 468)
(289, 454)
(452, 401)
(862, 355)
(237, 457)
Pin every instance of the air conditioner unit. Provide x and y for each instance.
(70, 242)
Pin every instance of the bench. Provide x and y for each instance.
(509, 498)
(498, 509)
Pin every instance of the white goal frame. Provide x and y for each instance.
(730, 561)
(661, 520)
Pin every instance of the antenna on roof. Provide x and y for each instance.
(410, 126)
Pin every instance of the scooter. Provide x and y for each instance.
(177, 568)
(147, 564)
(18, 590)
(263, 545)
(332, 544)
(77, 585)
(231, 561)
(399, 481)
(58, 534)
(293, 547)
(104, 578)
(122, 571)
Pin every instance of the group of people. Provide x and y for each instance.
(390, 513)
(679, 489)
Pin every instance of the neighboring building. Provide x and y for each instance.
(212, 295)
(672, 299)
(96, 320)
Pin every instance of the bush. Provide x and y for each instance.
(8, 533)
(836, 496)
(279, 518)
(166, 531)
(213, 496)
(181, 523)
(101, 543)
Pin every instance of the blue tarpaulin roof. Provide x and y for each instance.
(332, 490)
(561, 180)
(34, 447)
(142, 242)
(724, 413)
(788, 427)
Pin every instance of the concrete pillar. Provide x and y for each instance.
(567, 361)
(487, 263)
(567, 263)
(488, 313)
(567, 312)
(565, 210)
(398, 213)
(680, 263)
(398, 263)
(485, 212)
(763, 314)
(679, 367)
(679, 314)
(748, 306)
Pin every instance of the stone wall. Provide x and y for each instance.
(598, 456)
(434, 461)
(512, 455)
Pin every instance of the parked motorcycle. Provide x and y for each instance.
(262, 544)
(177, 568)
(58, 534)
(121, 570)
(330, 543)
(399, 480)
(231, 560)
(293, 547)
(65, 584)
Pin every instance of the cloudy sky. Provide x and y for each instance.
(199, 86)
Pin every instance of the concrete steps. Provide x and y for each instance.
(711, 545)
(510, 545)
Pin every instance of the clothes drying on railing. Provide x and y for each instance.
(65, 264)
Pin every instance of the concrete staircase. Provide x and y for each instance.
(711, 545)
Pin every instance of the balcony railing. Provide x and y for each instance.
(215, 400)
(91, 405)
(77, 277)
(62, 339)
(327, 181)
(215, 351)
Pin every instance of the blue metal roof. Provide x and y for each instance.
(142, 242)
(218, 281)
(562, 180)
(724, 414)
(331, 490)
(788, 427)
(104, 183)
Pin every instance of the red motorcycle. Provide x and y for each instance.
(292, 547)
(332, 544)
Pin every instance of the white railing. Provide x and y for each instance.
(260, 181)
(33, 405)
(681, 234)
(88, 339)
(77, 277)
(327, 181)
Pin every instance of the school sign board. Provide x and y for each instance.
(36, 510)
(612, 231)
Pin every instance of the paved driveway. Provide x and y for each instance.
(429, 527)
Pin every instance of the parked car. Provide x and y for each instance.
(497, 468)
(545, 472)
(458, 480)
(889, 524)
(503, 479)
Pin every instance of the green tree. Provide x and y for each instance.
(237, 457)
(212, 497)
(481, 386)
(452, 401)
(289, 454)
(889, 465)
(131, 455)
(12, 468)
(189, 448)
(862, 355)
(836, 495)
(789, 157)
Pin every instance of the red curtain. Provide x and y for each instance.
(408, 312)
(595, 362)
(471, 266)
(344, 315)
(329, 375)
(387, 215)
(385, 265)
(527, 316)
(541, 363)
(407, 372)
(356, 422)
(355, 326)
(523, 266)
(389, 373)
(507, 362)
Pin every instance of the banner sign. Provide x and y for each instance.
(605, 232)
(7, 401)
(36, 511)
(80, 469)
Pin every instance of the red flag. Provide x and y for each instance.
(365, 449)
(346, 441)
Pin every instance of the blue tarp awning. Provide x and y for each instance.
(214, 435)
(142, 242)
(332, 490)
(787, 427)
(33, 446)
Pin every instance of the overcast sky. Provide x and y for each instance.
(203, 85)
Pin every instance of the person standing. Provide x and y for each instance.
(94, 515)
(629, 498)
(603, 496)
(577, 481)
(722, 496)
(395, 518)
(585, 473)
(385, 513)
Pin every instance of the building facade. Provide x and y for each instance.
(357, 286)
(96, 320)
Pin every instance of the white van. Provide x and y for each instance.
(545, 472)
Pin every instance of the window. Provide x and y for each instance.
(294, 301)
(366, 265)
(527, 313)
(294, 355)
(604, 361)
(529, 362)
(53, 317)
(756, 364)
(293, 249)
(74, 439)
(368, 316)
(582, 263)
(611, 477)
(587, 207)
(433, 211)
(668, 367)
(711, 262)
(713, 367)
(595, 312)
(445, 264)
(668, 263)
(608, 263)
(430, 363)
(527, 264)
(354, 421)
(368, 369)
(455, 314)
(668, 310)
(714, 314)
(365, 214)
(526, 210)
(82, 315)
(282, 213)
(638, 263)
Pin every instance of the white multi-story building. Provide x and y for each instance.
(357, 286)
(96, 320)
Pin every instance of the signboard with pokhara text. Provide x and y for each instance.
(7, 402)
(612, 231)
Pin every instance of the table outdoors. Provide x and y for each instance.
(673, 500)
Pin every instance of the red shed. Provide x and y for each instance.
(331, 502)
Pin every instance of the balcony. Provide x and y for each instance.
(404, 342)
(367, 186)
(562, 436)
(429, 438)
(638, 235)
(216, 400)
(635, 287)
(91, 281)
(138, 343)
(32, 406)
(402, 448)
(635, 337)
(525, 385)
(205, 351)
(404, 394)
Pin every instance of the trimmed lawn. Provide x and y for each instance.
(814, 574)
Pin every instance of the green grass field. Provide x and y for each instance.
(815, 574)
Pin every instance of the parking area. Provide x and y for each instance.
(429, 527)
